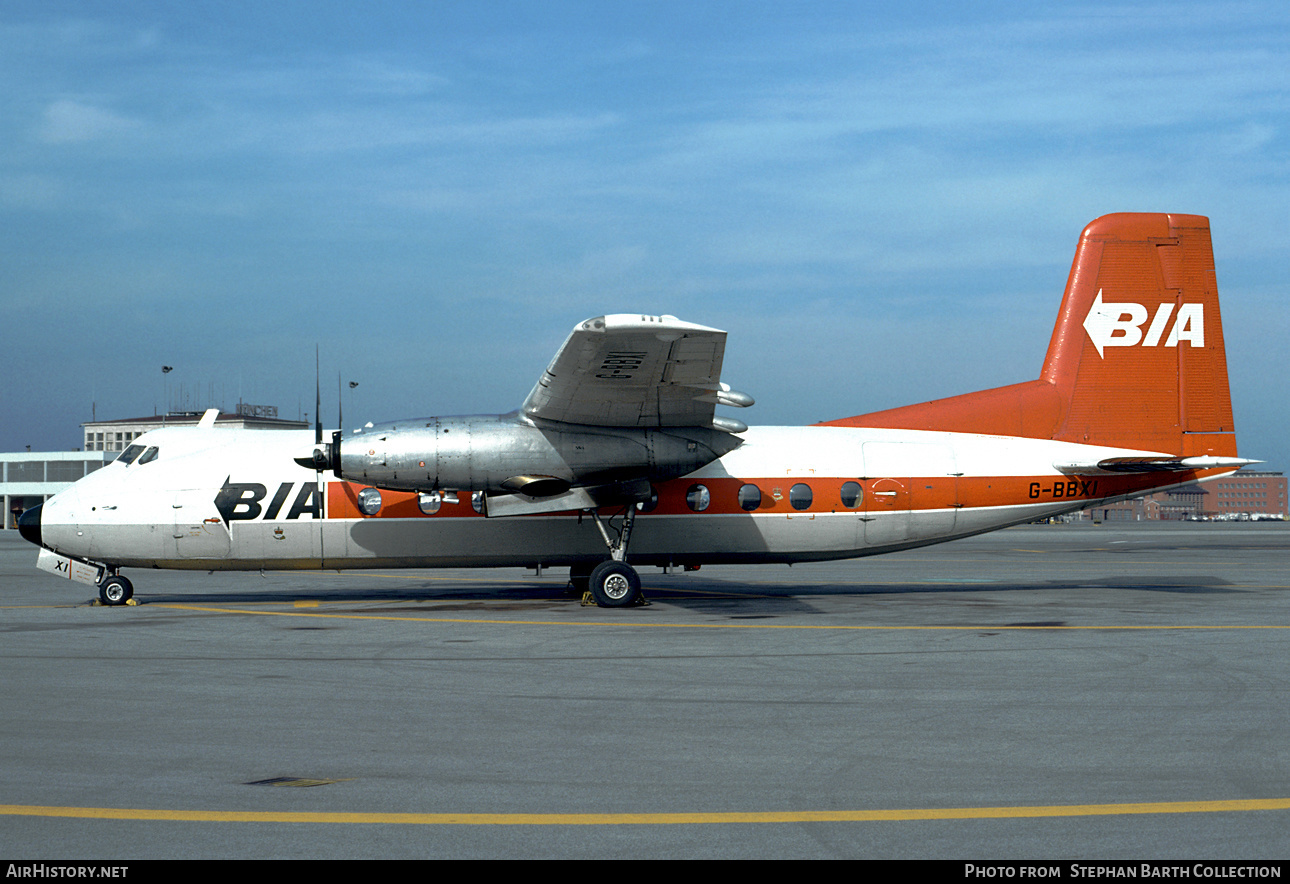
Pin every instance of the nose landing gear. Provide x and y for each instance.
(115, 590)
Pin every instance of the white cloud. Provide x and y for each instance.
(67, 121)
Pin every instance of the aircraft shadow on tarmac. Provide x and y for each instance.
(480, 594)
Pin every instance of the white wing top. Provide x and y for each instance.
(629, 370)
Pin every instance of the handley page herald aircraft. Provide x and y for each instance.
(618, 451)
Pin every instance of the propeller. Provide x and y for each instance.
(317, 398)
(321, 456)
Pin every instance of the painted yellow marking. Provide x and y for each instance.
(648, 625)
(649, 819)
(304, 603)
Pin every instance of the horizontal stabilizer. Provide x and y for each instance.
(1162, 464)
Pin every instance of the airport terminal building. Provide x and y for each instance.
(116, 435)
(1247, 494)
(31, 477)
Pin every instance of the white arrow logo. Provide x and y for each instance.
(1120, 325)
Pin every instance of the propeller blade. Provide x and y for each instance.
(317, 399)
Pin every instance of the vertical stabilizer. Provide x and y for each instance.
(1138, 347)
(1136, 358)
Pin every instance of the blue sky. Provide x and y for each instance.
(435, 193)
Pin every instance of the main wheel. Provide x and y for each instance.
(615, 585)
(116, 591)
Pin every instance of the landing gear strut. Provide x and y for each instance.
(115, 590)
(613, 584)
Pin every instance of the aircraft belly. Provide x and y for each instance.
(659, 539)
(199, 532)
(793, 534)
(121, 543)
(469, 542)
(279, 541)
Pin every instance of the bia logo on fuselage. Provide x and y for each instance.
(237, 501)
(1120, 325)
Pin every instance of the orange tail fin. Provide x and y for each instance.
(1136, 359)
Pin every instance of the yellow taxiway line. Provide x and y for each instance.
(648, 819)
(978, 627)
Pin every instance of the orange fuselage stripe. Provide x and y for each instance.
(880, 495)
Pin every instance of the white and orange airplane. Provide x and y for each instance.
(618, 448)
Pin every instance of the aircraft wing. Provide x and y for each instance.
(630, 370)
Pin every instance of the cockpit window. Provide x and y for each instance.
(127, 457)
(148, 456)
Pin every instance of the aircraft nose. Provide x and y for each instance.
(29, 524)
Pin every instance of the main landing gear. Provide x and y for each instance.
(612, 583)
(115, 590)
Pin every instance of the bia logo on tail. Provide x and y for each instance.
(1120, 325)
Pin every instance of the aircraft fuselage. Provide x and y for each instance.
(233, 500)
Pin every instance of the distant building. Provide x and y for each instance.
(31, 477)
(1175, 504)
(1244, 494)
(116, 435)
(1248, 492)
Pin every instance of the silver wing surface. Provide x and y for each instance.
(629, 370)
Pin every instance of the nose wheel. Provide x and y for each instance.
(115, 590)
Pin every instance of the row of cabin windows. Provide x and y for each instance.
(697, 497)
(800, 497)
(429, 502)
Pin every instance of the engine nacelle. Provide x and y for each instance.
(510, 454)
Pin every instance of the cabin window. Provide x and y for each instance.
(749, 497)
(648, 506)
(369, 501)
(429, 502)
(800, 496)
(148, 456)
(852, 494)
(127, 457)
(698, 498)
